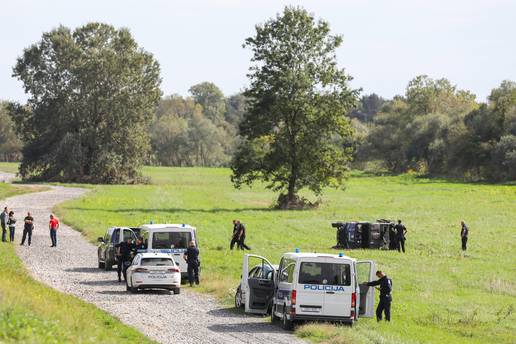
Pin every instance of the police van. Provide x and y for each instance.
(310, 287)
(169, 238)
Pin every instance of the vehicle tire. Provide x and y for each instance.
(274, 318)
(288, 325)
(107, 265)
(127, 288)
(177, 291)
(101, 265)
(238, 299)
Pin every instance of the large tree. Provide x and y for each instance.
(92, 93)
(295, 125)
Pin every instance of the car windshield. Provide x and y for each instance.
(325, 273)
(165, 240)
(157, 262)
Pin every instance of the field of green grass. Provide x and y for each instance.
(31, 312)
(439, 295)
(10, 167)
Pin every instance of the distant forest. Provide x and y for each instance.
(433, 129)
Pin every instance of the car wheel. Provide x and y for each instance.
(101, 265)
(107, 265)
(177, 291)
(288, 325)
(238, 299)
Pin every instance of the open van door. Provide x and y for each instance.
(257, 287)
(366, 270)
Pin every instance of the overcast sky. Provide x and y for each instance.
(386, 43)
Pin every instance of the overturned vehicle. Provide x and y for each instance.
(379, 234)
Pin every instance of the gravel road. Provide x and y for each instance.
(164, 317)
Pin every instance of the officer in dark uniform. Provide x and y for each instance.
(138, 246)
(124, 250)
(464, 232)
(192, 260)
(384, 305)
(401, 230)
(234, 238)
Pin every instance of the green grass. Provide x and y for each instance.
(31, 312)
(439, 296)
(10, 167)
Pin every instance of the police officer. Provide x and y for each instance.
(138, 246)
(241, 237)
(124, 250)
(384, 305)
(464, 232)
(401, 230)
(234, 237)
(192, 260)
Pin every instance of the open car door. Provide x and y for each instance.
(366, 270)
(258, 286)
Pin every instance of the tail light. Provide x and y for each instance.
(293, 299)
(141, 270)
(353, 300)
(172, 270)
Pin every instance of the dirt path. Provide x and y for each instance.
(167, 318)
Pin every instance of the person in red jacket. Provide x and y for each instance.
(53, 225)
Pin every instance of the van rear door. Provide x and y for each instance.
(310, 291)
(366, 273)
(258, 287)
(339, 289)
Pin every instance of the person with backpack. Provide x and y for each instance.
(384, 306)
(11, 222)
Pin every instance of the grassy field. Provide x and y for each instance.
(30, 312)
(439, 296)
(11, 167)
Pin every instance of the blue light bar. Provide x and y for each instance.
(297, 250)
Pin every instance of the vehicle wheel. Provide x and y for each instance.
(133, 289)
(288, 325)
(127, 287)
(274, 318)
(101, 265)
(238, 299)
(177, 291)
(107, 265)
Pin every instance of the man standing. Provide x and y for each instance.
(241, 237)
(28, 226)
(401, 230)
(192, 260)
(3, 219)
(53, 226)
(384, 305)
(124, 250)
(464, 231)
(234, 237)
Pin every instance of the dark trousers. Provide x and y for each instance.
(193, 273)
(401, 245)
(4, 232)
(384, 306)
(234, 240)
(464, 243)
(26, 232)
(11, 233)
(121, 269)
(242, 245)
(53, 237)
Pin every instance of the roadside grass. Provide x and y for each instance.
(440, 296)
(31, 312)
(9, 167)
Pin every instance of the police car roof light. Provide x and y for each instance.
(183, 225)
(297, 250)
(341, 254)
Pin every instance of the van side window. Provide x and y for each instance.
(325, 273)
(145, 236)
(114, 238)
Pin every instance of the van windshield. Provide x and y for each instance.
(165, 240)
(325, 273)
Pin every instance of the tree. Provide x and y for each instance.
(368, 107)
(10, 144)
(298, 98)
(211, 98)
(92, 95)
(236, 106)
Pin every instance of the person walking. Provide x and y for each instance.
(11, 222)
(53, 226)
(123, 253)
(241, 237)
(28, 226)
(4, 216)
(234, 237)
(384, 305)
(401, 231)
(192, 260)
(464, 232)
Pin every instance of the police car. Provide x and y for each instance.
(154, 271)
(310, 286)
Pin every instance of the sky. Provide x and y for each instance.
(386, 43)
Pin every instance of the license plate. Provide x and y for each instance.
(157, 276)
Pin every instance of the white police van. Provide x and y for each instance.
(169, 238)
(311, 286)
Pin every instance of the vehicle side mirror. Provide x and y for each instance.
(100, 239)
